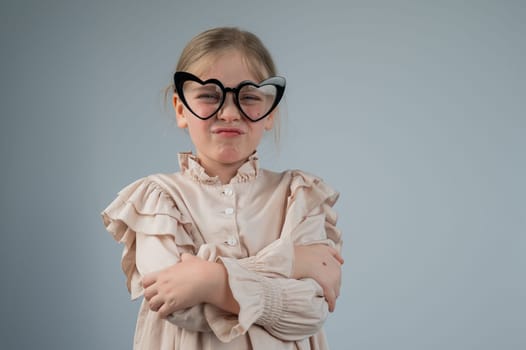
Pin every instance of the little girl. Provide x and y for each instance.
(228, 255)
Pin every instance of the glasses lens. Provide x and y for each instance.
(203, 100)
(257, 101)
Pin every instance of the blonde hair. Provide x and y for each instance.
(218, 40)
(213, 42)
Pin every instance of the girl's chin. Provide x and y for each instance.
(233, 157)
(228, 156)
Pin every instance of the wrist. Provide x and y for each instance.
(219, 293)
(296, 274)
(216, 277)
(298, 265)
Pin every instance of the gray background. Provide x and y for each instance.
(413, 110)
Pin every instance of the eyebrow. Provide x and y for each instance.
(195, 87)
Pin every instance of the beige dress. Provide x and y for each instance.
(251, 226)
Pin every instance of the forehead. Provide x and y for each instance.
(231, 67)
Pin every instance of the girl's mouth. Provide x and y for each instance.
(228, 132)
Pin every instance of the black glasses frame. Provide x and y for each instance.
(181, 77)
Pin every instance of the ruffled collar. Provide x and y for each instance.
(190, 166)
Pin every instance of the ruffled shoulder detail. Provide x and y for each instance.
(311, 196)
(305, 184)
(143, 207)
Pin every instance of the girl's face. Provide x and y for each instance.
(226, 140)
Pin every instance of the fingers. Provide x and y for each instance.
(166, 310)
(331, 300)
(186, 257)
(332, 251)
(336, 254)
(339, 258)
(158, 303)
(149, 293)
(149, 279)
(155, 303)
(331, 294)
(331, 278)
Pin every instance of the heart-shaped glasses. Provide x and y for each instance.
(205, 98)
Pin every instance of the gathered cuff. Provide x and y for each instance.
(191, 319)
(259, 300)
(275, 260)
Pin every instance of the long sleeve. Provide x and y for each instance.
(155, 234)
(154, 253)
(310, 218)
(145, 219)
(288, 309)
(158, 221)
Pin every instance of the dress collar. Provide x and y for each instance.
(190, 166)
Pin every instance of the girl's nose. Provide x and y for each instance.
(229, 111)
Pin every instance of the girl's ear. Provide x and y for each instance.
(179, 116)
(269, 121)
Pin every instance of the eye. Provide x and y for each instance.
(250, 95)
(251, 98)
(208, 97)
(202, 94)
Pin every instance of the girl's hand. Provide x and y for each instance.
(323, 264)
(179, 286)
